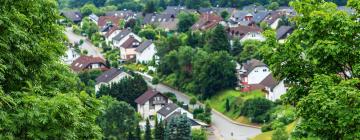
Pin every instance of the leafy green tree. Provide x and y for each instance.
(225, 15)
(150, 7)
(178, 128)
(218, 40)
(147, 135)
(148, 33)
(127, 89)
(88, 9)
(193, 101)
(194, 4)
(89, 28)
(222, 70)
(236, 48)
(137, 133)
(118, 120)
(186, 20)
(256, 109)
(280, 134)
(38, 94)
(273, 6)
(251, 50)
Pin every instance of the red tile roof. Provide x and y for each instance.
(83, 62)
(105, 19)
(241, 30)
(207, 21)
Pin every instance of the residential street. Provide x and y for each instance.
(87, 45)
(220, 123)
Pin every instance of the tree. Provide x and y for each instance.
(227, 105)
(193, 101)
(222, 69)
(118, 119)
(236, 48)
(148, 33)
(147, 135)
(280, 134)
(251, 50)
(225, 15)
(186, 20)
(273, 6)
(89, 28)
(160, 131)
(193, 4)
(137, 133)
(127, 89)
(150, 7)
(88, 9)
(218, 40)
(256, 109)
(39, 98)
(178, 128)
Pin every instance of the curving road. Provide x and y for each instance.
(223, 128)
(87, 45)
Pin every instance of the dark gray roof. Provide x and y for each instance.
(283, 31)
(94, 17)
(122, 34)
(269, 81)
(143, 46)
(260, 16)
(108, 75)
(217, 10)
(74, 16)
(253, 8)
(147, 96)
(156, 18)
(126, 14)
(252, 64)
(166, 110)
(177, 114)
(174, 10)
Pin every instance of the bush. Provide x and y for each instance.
(198, 134)
(257, 109)
(171, 96)
(280, 134)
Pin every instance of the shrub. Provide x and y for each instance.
(257, 109)
(198, 134)
(280, 134)
(171, 96)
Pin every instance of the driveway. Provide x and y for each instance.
(87, 45)
(223, 127)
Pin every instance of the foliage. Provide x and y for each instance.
(160, 131)
(193, 101)
(251, 49)
(127, 89)
(218, 40)
(273, 6)
(38, 95)
(87, 80)
(150, 7)
(257, 109)
(137, 133)
(280, 116)
(198, 134)
(147, 135)
(148, 32)
(178, 128)
(225, 15)
(171, 96)
(118, 118)
(280, 134)
(186, 20)
(236, 48)
(227, 105)
(89, 28)
(88, 9)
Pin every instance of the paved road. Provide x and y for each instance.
(87, 45)
(222, 126)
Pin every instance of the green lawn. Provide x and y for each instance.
(236, 98)
(267, 135)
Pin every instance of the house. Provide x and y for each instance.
(171, 111)
(108, 24)
(70, 56)
(273, 88)
(283, 32)
(273, 19)
(207, 21)
(246, 18)
(127, 49)
(145, 52)
(246, 33)
(124, 14)
(165, 21)
(253, 72)
(94, 18)
(74, 16)
(150, 102)
(253, 8)
(84, 63)
(110, 76)
(216, 10)
(122, 36)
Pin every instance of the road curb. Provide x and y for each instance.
(232, 121)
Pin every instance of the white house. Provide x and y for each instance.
(253, 72)
(127, 48)
(70, 56)
(145, 52)
(113, 75)
(121, 37)
(253, 36)
(275, 92)
(150, 102)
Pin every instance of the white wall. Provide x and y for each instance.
(129, 51)
(276, 93)
(114, 80)
(275, 24)
(147, 55)
(70, 56)
(145, 111)
(257, 75)
(253, 36)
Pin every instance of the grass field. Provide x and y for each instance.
(267, 135)
(236, 98)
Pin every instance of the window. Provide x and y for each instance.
(264, 70)
(256, 70)
(152, 106)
